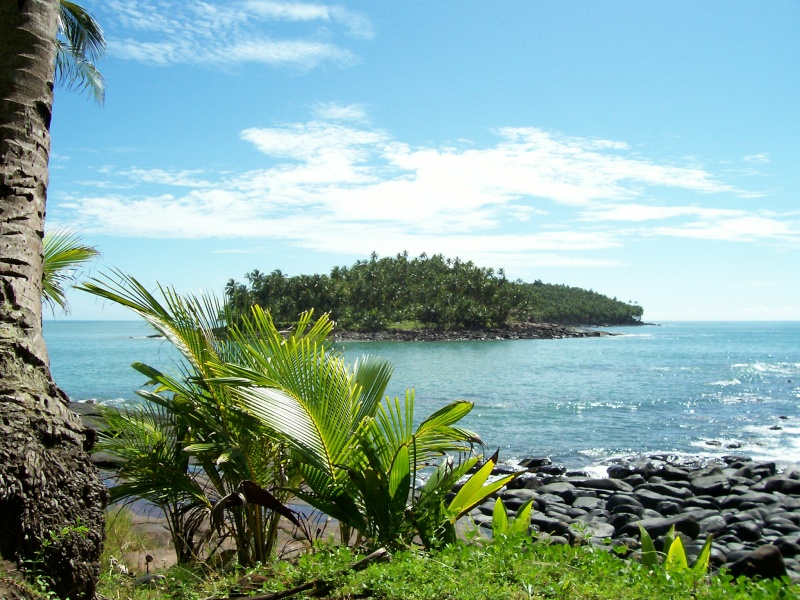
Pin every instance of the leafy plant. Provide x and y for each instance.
(518, 525)
(35, 569)
(676, 561)
(359, 458)
(191, 426)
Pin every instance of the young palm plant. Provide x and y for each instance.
(360, 458)
(202, 430)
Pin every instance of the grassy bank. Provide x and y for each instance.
(471, 569)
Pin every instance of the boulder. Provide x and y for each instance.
(612, 485)
(765, 562)
(711, 485)
(684, 523)
(562, 489)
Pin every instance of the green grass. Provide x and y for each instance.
(510, 569)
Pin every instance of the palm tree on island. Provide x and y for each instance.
(47, 483)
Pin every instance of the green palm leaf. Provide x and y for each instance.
(64, 253)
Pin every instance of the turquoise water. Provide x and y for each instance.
(663, 388)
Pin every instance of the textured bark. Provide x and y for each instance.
(47, 482)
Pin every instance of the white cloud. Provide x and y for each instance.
(760, 158)
(339, 185)
(644, 212)
(164, 32)
(741, 229)
(337, 112)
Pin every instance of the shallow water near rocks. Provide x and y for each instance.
(671, 388)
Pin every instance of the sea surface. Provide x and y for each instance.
(686, 388)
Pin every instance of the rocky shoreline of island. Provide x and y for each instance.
(751, 508)
(511, 331)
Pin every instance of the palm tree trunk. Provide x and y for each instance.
(47, 482)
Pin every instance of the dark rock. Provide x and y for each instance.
(612, 485)
(534, 462)
(704, 503)
(635, 480)
(683, 523)
(780, 484)
(520, 494)
(588, 503)
(670, 473)
(711, 485)
(546, 500)
(566, 491)
(649, 499)
(665, 490)
(552, 470)
(750, 498)
(528, 481)
(747, 531)
(713, 525)
(669, 507)
(620, 520)
(789, 547)
(549, 525)
(765, 562)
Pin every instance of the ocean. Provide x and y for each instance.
(684, 388)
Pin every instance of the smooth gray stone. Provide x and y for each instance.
(546, 500)
(562, 489)
(778, 484)
(754, 498)
(700, 513)
(622, 499)
(614, 485)
(628, 509)
(714, 524)
(650, 499)
(549, 525)
(701, 502)
(711, 485)
(669, 508)
(588, 503)
(520, 494)
(766, 562)
(672, 491)
(747, 531)
(686, 524)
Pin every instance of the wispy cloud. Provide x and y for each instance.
(760, 158)
(164, 32)
(533, 195)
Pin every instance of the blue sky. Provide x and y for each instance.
(646, 150)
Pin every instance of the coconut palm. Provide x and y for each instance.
(48, 482)
(78, 47)
(360, 458)
(64, 252)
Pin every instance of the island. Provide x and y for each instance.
(431, 298)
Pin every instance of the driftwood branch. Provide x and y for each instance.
(379, 555)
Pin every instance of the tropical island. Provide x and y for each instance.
(431, 298)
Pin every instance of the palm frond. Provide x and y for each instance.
(64, 253)
(76, 55)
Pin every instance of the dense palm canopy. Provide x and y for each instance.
(433, 291)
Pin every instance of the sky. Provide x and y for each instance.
(646, 150)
